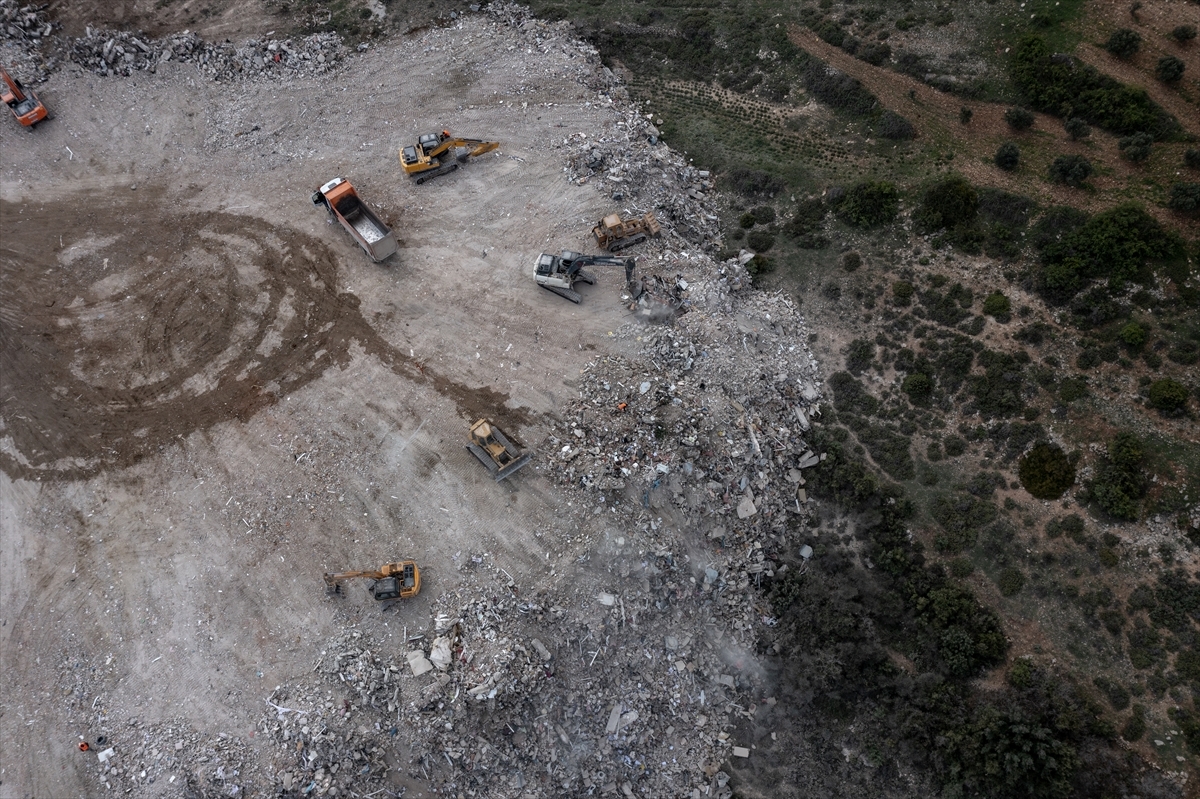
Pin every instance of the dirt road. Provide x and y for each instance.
(211, 396)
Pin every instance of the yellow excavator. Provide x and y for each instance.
(434, 154)
(401, 580)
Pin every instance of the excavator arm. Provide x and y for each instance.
(581, 261)
(476, 147)
(399, 580)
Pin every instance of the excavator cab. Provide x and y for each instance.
(23, 103)
(396, 586)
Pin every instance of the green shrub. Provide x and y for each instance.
(1185, 197)
(870, 204)
(746, 220)
(997, 392)
(1168, 395)
(838, 90)
(859, 354)
(961, 568)
(1109, 557)
(1136, 147)
(918, 387)
(950, 202)
(894, 127)
(1071, 389)
(1183, 33)
(755, 183)
(1133, 335)
(998, 306)
(961, 517)
(1135, 728)
(1008, 157)
(760, 240)
(1123, 43)
(902, 292)
(1116, 693)
(1191, 158)
(955, 446)
(964, 115)
(1120, 482)
(1169, 69)
(805, 224)
(763, 214)
(1077, 128)
(1071, 526)
(1019, 119)
(1072, 170)
(1010, 581)
(933, 452)
(1045, 471)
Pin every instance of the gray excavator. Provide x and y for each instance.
(559, 273)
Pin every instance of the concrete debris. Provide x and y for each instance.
(121, 53)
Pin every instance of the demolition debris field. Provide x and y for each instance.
(212, 396)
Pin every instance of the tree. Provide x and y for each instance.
(869, 204)
(1045, 471)
(1185, 197)
(1077, 129)
(945, 204)
(1008, 157)
(1168, 396)
(1072, 170)
(918, 387)
(1184, 33)
(1169, 69)
(1019, 118)
(1136, 148)
(1123, 43)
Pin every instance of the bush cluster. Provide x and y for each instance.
(1116, 245)
(1185, 197)
(1123, 43)
(948, 203)
(1070, 89)
(869, 204)
(1136, 147)
(1168, 396)
(1072, 170)
(1019, 119)
(1120, 482)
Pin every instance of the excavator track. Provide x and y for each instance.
(621, 244)
(570, 295)
(433, 173)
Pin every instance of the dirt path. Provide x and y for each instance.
(935, 116)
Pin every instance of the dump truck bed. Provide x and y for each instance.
(360, 222)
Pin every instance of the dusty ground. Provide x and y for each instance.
(186, 337)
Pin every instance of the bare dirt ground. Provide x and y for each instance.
(186, 337)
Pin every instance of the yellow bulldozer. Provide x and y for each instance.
(613, 233)
(495, 450)
(400, 580)
(434, 154)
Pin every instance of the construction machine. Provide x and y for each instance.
(613, 233)
(24, 104)
(401, 580)
(434, 154)
(343, 204)
(495, 450)
(558, 273)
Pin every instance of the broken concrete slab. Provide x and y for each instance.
(746, 508)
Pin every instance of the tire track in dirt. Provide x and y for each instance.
(146, 326)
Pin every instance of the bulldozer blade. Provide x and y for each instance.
(570, 295)
(508, 470)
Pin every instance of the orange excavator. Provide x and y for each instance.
(401, 580)
(24, 104)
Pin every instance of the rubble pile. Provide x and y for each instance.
(121, 53)
(23, 30)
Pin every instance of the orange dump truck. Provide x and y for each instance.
(343, 203)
